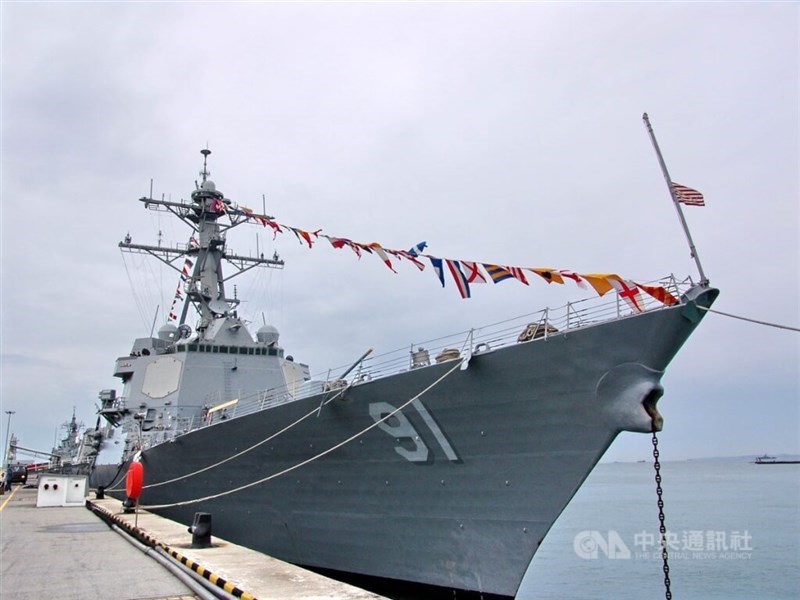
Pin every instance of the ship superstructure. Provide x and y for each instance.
(192, 374)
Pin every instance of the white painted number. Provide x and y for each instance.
(401, 428)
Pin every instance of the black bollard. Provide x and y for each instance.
(201, 530)
(129, 505)
(100, 494)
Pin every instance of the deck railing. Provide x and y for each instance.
(528, 327)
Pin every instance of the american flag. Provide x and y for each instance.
(688, 196)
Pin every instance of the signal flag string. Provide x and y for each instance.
(464, 273)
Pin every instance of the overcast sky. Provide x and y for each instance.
(506, 133)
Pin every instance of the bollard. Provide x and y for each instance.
(201, 530)
(129, 506)
(100, 494)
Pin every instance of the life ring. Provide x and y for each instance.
(134, 480)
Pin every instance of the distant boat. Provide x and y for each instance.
(773, 460)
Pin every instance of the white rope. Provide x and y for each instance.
(719, 312)
(245, 451)
(313, 458)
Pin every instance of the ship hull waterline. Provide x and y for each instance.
(456, 491)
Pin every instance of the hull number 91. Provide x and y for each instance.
(411, 443)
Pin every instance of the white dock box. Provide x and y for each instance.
(61, 490)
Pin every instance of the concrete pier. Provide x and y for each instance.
(72, 553)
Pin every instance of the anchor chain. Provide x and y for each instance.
(662, 528)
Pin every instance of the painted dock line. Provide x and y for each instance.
(238, 571)
(9, 497)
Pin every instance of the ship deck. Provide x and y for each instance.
(73, 553)
(588, 312)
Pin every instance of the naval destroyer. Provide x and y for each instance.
(442, 465)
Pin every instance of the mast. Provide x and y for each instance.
(205, 286)
(692, 249)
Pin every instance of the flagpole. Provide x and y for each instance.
(692, 249)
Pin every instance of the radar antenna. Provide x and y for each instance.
(205, 172)
(201, 275)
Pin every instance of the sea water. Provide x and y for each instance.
(733, 534)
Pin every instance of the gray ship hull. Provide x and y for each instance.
(459, 489)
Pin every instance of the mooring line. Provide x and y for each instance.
(768, 324)
(254, 446)
(152, 542)
(313, 458)
(246, 450)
